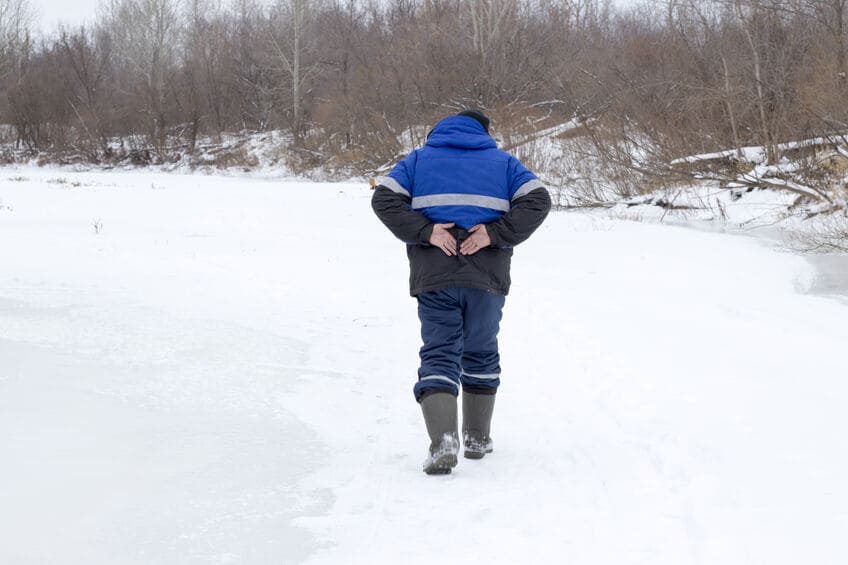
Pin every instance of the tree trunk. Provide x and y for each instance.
(767, 139)
(729, 108)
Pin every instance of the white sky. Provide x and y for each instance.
(74, 12)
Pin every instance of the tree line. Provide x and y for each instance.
(355, 83)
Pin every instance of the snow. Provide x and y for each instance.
(757, 153)
(737, 209)
(223, 374)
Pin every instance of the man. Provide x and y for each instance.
(461, 205)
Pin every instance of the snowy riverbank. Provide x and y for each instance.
(198, 369)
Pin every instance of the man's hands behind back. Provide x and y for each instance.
(478, 238)
(443, 239)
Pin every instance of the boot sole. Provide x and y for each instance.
(476, 454)
(442, 466)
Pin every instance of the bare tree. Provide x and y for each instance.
(491, 20)
(292, 38)
(86, 60)
(749, 13)
(15, 46)
(15, 21)
(830, 16)
(147, 36)
(249, 66)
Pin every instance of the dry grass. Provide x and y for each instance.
(231, 158)
(64, 181)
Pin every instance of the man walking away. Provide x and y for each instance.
(461, 205)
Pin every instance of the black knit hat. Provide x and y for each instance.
(477, 115)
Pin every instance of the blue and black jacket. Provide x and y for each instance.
(460, 176)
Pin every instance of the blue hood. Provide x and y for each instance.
(461, 132)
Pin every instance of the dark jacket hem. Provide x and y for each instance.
(457, 284)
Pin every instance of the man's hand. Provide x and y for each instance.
(478, 239)
(443, 239)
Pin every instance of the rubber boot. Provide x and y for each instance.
(476, 424)
(440, 417)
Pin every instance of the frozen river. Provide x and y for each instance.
(219, 370)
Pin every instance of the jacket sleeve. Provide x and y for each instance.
(527, 213)
(393, 209)
(530, 204)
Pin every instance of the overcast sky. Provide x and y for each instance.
(75, 12)
(50, 12)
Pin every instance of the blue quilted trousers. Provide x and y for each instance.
(459, 327)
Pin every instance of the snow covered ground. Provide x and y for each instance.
(219, 370)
